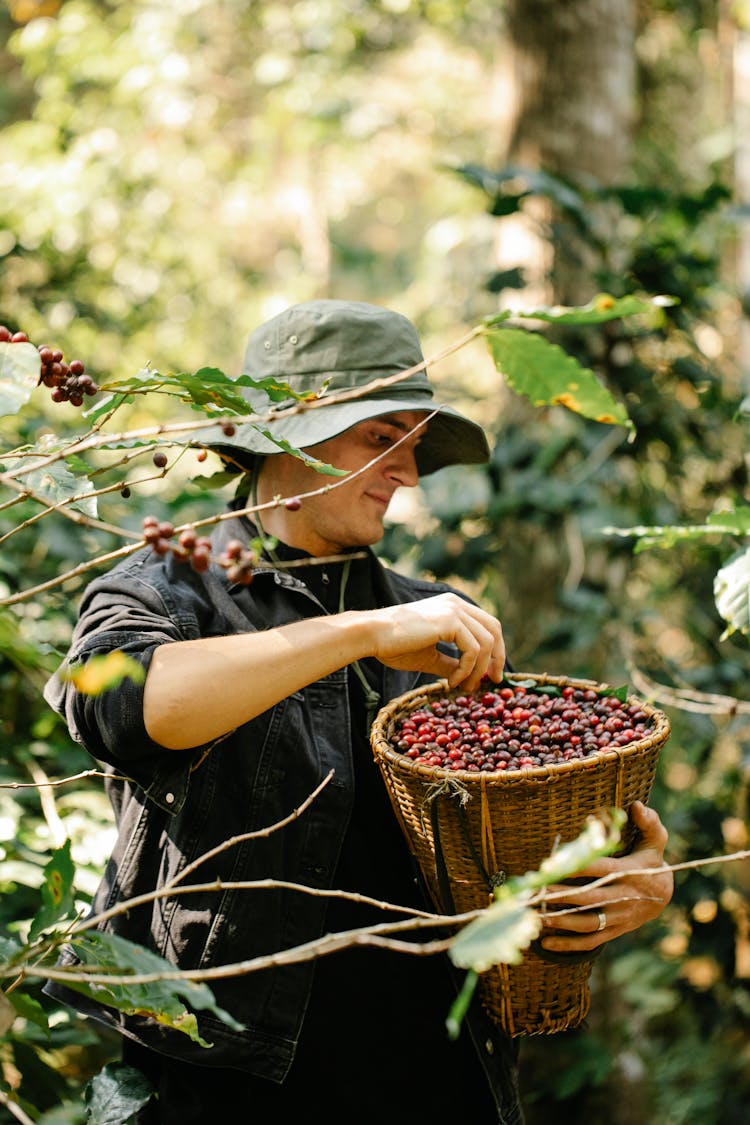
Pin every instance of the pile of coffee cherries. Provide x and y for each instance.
(515, 726)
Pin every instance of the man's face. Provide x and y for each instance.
(349, 514)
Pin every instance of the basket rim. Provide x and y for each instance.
(382, 748)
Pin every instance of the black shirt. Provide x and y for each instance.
(388, 1003)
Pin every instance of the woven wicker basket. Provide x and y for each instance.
(469, 830)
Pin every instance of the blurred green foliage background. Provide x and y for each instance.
(172, 174)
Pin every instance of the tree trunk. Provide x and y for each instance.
(574, 88)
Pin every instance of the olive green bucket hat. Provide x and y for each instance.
(327, 347)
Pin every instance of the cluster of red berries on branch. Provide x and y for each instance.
(8, 337)
(68, 381)
(192, 548)
(238, 560)
(510, 727)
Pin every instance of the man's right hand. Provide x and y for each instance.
(406, 637)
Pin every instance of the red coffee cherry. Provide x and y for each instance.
(518, 728)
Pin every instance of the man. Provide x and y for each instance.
(253, 694)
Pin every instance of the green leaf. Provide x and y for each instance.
(115, 1094)
(206, 388)
(29, 1008)
(10, 949)
(58, 903)
(669, 535)
(732, 593)
(286, 447)
(56, 484)
(509, 925)
(599, 837)
(216, 480)
(162, 1000)
(499, 935)
(546, 375)
(19, 375)
(601, 308)
(460, 1005)
(737, 520)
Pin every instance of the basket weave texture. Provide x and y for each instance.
(469, 831)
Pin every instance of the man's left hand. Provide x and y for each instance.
(641, 885)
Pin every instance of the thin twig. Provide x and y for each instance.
(95, 440)
(123, 552)
(69, 513)
(220, 886)
(61, 780)
(688, 699)
(14, 1109)
(320, 947)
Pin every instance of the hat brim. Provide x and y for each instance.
(450, 437)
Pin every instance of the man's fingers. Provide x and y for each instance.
(479, 639)
(476, 646)
(653, 832)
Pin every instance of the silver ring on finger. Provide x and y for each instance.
(602, 920)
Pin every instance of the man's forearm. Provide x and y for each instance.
(198, 690)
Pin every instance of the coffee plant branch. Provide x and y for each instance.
(61, 780)
(688, 699)
(94, 439)
(14, 1109)
(76, 517)
(122, 552)
(378, 933)
(320, 947)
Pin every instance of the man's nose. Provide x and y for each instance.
(401, 466)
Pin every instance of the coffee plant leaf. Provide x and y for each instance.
(667, 536)
(498, 936)
(601, 308)
(548, 376)
(163, 997)
(116, 1093)
(58, 903)
(55, 482)
(104, 671)
(217, 480)
(207, 388)
(600, 837)
(212, 435)
(19, 376)
(29, 1008)
(313, 462)
(735, 521)
(11, 953)
(732, 593)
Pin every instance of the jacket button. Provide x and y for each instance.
(169, 798)
(489, 1047)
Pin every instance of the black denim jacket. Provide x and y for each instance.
(174, 806)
